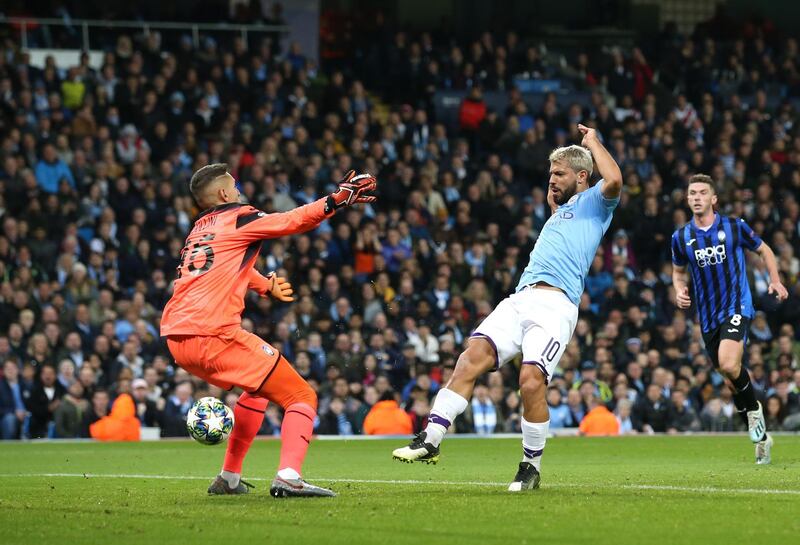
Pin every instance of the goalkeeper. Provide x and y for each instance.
(202, 320)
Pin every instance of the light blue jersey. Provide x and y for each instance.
(568, 242)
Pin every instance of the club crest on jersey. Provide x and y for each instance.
(712, 255)
(721, 236)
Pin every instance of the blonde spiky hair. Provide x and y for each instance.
(576, 157)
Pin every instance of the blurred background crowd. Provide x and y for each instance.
(94, 210)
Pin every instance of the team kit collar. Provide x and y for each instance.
(716, 222)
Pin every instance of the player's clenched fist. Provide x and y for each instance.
(683, 299)
(280, 288)
(589, 135)
(354, 188)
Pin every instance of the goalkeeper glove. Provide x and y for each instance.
(353, 188)
(280, 288)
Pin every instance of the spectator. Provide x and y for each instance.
(66, 373)
(128, 359)
(715, 418)
(620, 253)
(472, 111)
(387, 418)
(599, 420)
(154, 391)
(13, 393)
(560, 416)
(371, 397)
(52, 171)
(650, 413)
(69, 414)
(426, 346)
(73, 89)
(577, 409)
(680, 414)
(45, 398)
(482, 412)
(121, 423)
(394, 251)
(335, 420)
(130, 145)
(98, 409)
(176, 409)
(147, 411)
(422, 380)
(73, 349)
(774, 413)
(623, 414)
(420, 409)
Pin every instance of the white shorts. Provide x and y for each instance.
(535, 322)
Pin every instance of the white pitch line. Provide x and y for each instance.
(256, 479)
(654, 487)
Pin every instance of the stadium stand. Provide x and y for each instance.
(94, 169)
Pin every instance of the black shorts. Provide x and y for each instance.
(733, 328)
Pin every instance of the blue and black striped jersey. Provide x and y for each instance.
(716, 261)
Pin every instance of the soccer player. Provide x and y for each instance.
(711, 246)
(539, 318)
(202, 320)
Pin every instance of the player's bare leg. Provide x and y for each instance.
(299, 401)
(535, 422)
(248, 413)
(451, 401)
(744, 397)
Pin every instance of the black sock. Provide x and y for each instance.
(744, 396)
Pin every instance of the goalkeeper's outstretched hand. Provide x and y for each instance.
(280, 288)
(354, 188)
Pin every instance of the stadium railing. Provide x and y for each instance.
(25, 25)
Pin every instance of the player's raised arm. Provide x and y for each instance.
(353, 189)
(606, 165)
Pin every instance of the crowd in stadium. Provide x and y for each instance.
(94, 169)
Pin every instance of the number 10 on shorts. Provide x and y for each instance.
(551, 350)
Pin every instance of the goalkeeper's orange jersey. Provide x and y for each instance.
(216, 266)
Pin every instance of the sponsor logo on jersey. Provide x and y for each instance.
(266, 348)
(712, 255)
(558, 217)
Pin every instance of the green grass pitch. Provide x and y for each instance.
(642, 490)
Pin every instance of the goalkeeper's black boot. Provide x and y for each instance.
(417, 451)
(220, 487)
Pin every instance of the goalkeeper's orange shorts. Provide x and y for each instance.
(234, 358)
